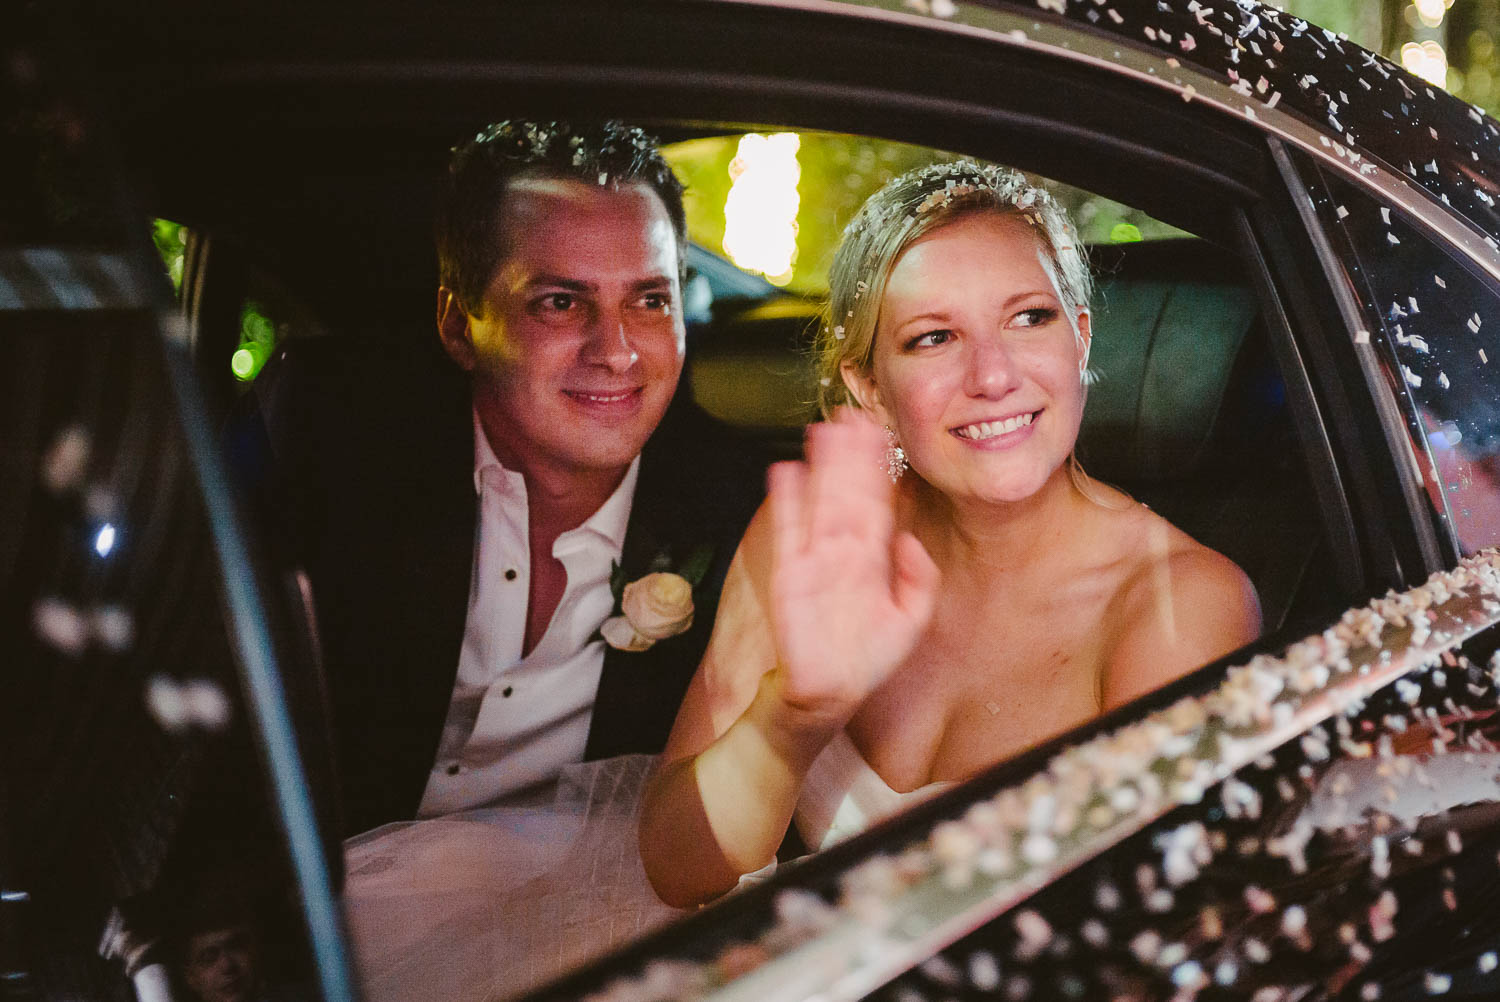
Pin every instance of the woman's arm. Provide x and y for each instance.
(824, 599)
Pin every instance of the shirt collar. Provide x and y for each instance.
(609, 522)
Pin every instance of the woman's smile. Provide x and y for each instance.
(998, 432)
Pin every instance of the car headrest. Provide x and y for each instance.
(1164, 353)
(1170, 320)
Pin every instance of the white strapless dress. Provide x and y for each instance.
(489, 903)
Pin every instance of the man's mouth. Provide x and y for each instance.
(604, 398)
(979, 431)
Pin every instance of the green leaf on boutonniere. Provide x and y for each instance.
(696, 564)
(617, 582)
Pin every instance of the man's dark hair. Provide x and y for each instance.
(470, 244)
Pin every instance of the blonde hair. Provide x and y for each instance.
(915, 204)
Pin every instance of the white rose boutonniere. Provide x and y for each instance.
(656, 606)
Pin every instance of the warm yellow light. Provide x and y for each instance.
(1427, 60)
(760, 214)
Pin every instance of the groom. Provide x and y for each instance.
(461, 536)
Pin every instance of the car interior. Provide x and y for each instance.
(1189, 414)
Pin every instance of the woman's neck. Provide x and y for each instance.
(994, 539)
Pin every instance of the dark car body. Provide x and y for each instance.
(1309, 391)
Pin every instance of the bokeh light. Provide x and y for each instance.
(760, 214)
(1426, 60)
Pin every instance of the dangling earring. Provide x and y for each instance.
(895, 456)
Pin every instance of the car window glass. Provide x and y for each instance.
(775, 204)
(1432, 323)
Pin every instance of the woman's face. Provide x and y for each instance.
(976, 360)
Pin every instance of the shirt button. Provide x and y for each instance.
(454, 768)
(507, 691)
(510, 574)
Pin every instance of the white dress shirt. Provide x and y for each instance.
(514, 722)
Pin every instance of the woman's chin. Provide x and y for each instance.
(991, 490)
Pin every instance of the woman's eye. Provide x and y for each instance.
(1036, 317)
(930, 339)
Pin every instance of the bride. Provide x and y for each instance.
(876, 641)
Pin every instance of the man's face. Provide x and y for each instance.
(578, 343)
(221, 965)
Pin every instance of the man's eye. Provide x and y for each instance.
(558, 302)
(1037, 317)
(657, 301)
(930, 339)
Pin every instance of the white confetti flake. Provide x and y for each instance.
(1341, 212)
(1439, 280)
(1392, 239)
(180, 706)
(1189, 93)
(67, 460)
(1483, 358)
(1412, 379)
(944, 9)
(1060, 6)
(1443, 380)
(1488, 962)
(1361, 337)
(61, 626)
(113, 627)
(1436, 984)
(1474, 323)
(984, 969)
(1385, 214)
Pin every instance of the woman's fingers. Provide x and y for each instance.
(786, 483)
(848, 492)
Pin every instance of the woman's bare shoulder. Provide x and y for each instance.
(1180, 604)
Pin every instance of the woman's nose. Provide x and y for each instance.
(990, 369)
(609, 342)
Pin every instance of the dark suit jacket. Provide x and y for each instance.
(358, 460)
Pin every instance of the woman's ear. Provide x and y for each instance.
(453, 328)
(861, 386)
(1085, 327)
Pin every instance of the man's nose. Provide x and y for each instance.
(990, 368)
(610, 343)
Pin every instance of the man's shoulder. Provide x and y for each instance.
(698, 462)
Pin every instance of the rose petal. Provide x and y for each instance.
(620, 635)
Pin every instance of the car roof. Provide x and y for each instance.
(1349, 105)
